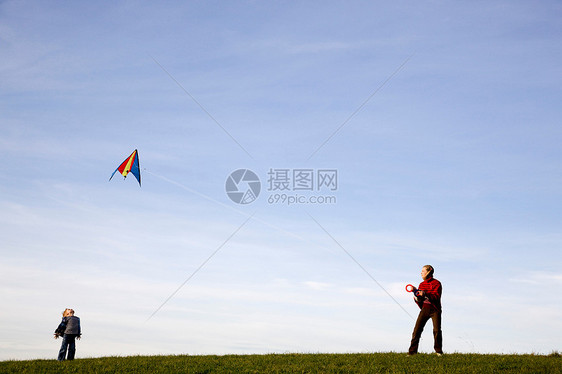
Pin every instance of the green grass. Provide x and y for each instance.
(298, 363)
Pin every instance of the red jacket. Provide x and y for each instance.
(432, 294)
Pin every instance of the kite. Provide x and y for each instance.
(131, 164)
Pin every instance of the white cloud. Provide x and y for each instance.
(539, 278)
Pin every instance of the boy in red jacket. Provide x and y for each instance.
(428, 298)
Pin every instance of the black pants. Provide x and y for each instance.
(426, 313)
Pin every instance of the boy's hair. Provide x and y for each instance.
(429, 269)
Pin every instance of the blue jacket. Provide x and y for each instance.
(62, 326)
(72, 326)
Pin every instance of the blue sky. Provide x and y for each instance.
(449, 154)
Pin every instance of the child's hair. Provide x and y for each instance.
(68, 312)
(429, 269)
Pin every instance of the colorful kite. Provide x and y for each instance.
(131, 164)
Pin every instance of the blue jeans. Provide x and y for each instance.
(68, 340)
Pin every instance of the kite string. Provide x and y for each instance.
(360, 107)
(229, 207)
(360, 266)
(280, 229)
(201, 106)
(200, 267)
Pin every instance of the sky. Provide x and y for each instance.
(384, 136)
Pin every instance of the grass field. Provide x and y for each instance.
(298, 363)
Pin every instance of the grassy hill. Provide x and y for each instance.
(298, 363)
